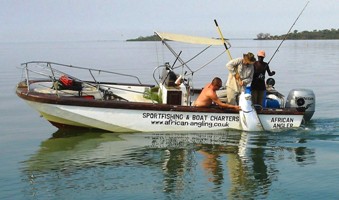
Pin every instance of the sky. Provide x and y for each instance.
(81, 20)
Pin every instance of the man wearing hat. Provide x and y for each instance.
(258, 84)
(240, 75)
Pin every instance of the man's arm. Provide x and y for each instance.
(232, 65)
(217, 101)
(269, 71)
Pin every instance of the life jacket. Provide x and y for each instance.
(66, 81)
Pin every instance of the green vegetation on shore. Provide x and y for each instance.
(326, 34)
(147, 38)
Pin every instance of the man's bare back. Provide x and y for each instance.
(209, 95)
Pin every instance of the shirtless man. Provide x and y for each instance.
(208, 95)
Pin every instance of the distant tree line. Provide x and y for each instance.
(304, 35)
(147, 38)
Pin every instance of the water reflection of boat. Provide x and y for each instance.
(246, 160)
(104, 147)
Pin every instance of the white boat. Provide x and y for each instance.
(60, 94)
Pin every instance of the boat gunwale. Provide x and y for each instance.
(22, 92)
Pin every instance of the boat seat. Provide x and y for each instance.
(140, 98)
(222, 95)
(85, 91)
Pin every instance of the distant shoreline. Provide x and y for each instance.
(326, 34)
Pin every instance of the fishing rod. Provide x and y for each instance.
(288, 32)
(223, 40)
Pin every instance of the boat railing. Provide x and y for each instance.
(53, 67)
(42, 70)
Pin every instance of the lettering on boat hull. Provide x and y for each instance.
(193, 120)
(282, 122)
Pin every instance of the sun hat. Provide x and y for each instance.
(249, 57)
(261, 53)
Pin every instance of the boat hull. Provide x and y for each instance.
(124, 116)
(129, 120)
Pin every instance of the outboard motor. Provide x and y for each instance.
(303, 99)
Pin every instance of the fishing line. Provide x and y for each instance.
(288, 32)
(208, 62)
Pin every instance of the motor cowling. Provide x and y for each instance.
(303, 99)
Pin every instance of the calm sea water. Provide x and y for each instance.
(39, 162)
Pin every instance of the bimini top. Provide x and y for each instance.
(190, 39)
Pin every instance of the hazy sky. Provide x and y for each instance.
(59, 20)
